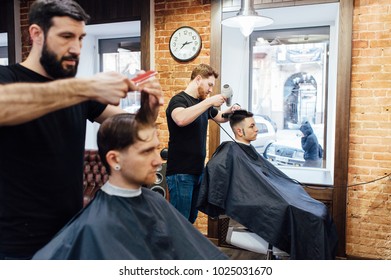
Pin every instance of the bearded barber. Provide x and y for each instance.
(42, 133)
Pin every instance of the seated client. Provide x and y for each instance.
(246, 187)
(125, 220)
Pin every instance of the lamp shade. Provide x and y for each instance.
(247, 19)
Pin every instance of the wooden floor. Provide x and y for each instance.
(238, 254)
(235, 253)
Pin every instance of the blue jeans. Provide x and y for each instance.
(183, 190)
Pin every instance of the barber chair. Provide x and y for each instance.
(242, 238)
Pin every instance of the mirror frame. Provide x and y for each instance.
(339, 191)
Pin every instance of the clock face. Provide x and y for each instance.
(185, 43)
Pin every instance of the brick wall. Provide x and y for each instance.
(368, 229)
(174, 76)
(26, 43)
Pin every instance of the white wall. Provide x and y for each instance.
(87, 67)
(235, 70)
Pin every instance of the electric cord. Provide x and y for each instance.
(372, 181)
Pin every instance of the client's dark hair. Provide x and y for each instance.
(120, 131)
(238, 116)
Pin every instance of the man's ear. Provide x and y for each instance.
(112, 158)
(36, 34)
(198, 80)
(239, 131)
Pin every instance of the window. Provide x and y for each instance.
(3, 49)
(122, 55)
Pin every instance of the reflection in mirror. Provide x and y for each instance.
(289, 78)
(3, 49)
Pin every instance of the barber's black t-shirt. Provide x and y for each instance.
(187, 144)
(41, 165)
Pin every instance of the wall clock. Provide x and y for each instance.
(185, 43)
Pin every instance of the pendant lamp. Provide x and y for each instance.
(247, 19)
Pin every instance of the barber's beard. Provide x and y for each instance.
(202, 94)
(53, 66)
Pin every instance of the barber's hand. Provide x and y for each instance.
(216, 100)
(235, 107)
(154, 89)
(154, 92)
(108, 87)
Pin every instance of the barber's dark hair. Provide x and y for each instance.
(42, 12)
(238, 116)
(204, 70)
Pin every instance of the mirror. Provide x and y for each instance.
(288, 74)
(272, 75)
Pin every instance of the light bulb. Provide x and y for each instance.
(246, 25)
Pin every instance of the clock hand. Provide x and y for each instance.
(185, 43)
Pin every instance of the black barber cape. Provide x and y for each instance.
(246, 187)
(117, 224)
